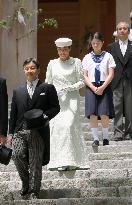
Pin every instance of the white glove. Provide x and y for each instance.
(62, 92)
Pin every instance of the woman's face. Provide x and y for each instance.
(96, 45)
(64, 53)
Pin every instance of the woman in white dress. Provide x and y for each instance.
(67, 145)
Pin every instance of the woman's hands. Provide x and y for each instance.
(99, 90)
(62, 91)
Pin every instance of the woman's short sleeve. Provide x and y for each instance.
(111, 62)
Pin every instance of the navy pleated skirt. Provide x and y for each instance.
(99, 104)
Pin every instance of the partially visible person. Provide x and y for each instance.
(67, 144)
(31, 144)
(130, 34)
(122, 82)
(115, 36)
(3, 111)
(130, 19)
(98, 68)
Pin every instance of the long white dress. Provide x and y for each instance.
(67, 147)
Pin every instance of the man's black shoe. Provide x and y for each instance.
(127, 137)
(34, 195)
(118, 136)
(118, 139)
(105, 142)
(24, 191)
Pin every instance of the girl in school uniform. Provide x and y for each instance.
(98, 68)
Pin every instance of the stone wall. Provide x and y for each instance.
(123, 9)
(15, 46)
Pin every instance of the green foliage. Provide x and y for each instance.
(3, 24)
(48, 22)
(87, 35)
(21, 15)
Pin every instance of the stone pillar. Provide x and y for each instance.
(123, 9)
(15, 45)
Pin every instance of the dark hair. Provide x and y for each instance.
(28, 60)
(98, 36)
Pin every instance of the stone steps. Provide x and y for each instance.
(115, 143)
(112, 156)
(77, 183)
(74, 201)
(123, 191)
(111, 164)
(72, 175)
(75, 193)
(107, 182)
(110, 149)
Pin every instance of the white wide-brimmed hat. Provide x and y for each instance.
(63, 42)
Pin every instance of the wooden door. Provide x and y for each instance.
(73, 16)
(67, 15)
(106, 18)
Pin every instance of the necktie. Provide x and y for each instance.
(97, 59)
(97, 74)
(31, 90)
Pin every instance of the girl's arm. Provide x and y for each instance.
(88, 82)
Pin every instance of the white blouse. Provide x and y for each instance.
(89, 65)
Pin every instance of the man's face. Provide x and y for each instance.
(31, 72)
(122, 31)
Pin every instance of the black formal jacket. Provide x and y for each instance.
(123, 64)
(44, 98)
(3, 107)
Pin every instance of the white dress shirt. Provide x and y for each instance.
(123, 46)
(31, 87)
(90, 65)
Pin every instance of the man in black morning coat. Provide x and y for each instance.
(122, 82)
(31, 146)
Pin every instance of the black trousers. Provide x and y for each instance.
(122, 98)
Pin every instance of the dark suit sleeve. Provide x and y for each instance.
(13, 114)
(3, 108)
(53, 102)
(108, 48)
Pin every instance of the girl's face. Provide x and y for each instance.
(97, 45)
(64, 53)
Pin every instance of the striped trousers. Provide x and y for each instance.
(28, 148)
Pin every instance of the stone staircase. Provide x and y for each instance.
(107, 182)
